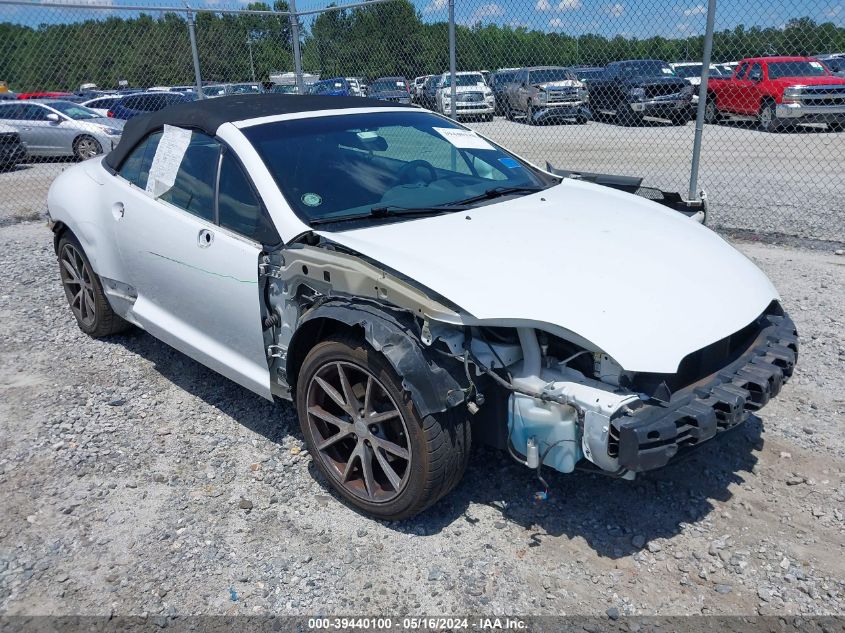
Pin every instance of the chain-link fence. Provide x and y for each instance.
(587, 85)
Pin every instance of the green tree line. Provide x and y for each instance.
(379, 40)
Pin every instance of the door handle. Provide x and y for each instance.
(117, 210)
(205, 238)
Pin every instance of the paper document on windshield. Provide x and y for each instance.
(169, 153)
(463, 139)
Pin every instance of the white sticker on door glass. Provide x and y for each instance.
(171, 148)
(463, 139)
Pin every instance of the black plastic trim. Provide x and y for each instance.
(650, 436)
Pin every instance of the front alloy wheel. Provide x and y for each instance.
(87, 147)
(359, 432)
(366, 437)
(768, 118)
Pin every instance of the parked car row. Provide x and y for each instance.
(777, 92)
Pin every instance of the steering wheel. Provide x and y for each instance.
(410, 172)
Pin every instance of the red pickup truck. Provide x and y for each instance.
(779, 92)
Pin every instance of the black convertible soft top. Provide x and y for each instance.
(209, 114)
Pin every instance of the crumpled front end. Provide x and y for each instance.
(649, 436)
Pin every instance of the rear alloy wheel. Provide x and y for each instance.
(767, 118)
(86, 147)
(711, 112)
(365, 436)
(84, 292)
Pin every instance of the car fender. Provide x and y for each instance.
(75, 202)
(433, 388)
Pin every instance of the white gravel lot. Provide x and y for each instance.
(135, 481)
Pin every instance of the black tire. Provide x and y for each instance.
(529, 116)
(626, 116)
(681, 118)
(437, 445)
(767, 118)
(86, 147)
(712, 114)
(581, 119)
(84, 292)
(836, 126)
(508, 111)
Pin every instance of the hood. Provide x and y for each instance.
(809, 81)
(389, 94)
(459, 89)
(565, 83)
(99, 123)
(644, 284)
(654, 80)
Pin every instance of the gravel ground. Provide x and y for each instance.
(787, 183)
(135, 481)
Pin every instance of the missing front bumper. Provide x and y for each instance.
(653, 434)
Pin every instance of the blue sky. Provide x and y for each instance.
(637, 18)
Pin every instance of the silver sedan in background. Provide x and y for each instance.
(61, 128)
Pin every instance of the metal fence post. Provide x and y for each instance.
(694, 195)
(297, 53)
(452, 59)
(195, 53)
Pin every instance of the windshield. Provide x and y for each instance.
(333, 167)
(241, 89)
(74, 111)
(590, 73)
(473, 79)
(691, 71)
(385, 85)
(548, 75)
(646, 69)
(796, 69)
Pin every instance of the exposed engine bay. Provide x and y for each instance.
(547, 400)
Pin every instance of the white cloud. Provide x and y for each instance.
(543, 5)
(683, 28)
(569, 5)
(491, 10)
(698, 9)
(833, 11)
(616, 10)
(556, 23)
(436, 5)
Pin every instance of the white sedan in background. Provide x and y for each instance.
(414, 288)
(61, 128)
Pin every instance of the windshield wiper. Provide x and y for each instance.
(498, 192)
(390, 211)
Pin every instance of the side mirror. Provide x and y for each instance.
(52, 117)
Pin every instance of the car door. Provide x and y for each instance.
(196, 283)
(752, 95)
(730, 99)
(51, 138)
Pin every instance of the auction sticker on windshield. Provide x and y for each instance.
(463, 139)
(312, 200)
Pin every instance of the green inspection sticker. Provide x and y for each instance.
(312, 200)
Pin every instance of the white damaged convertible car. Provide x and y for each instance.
(413, 288)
